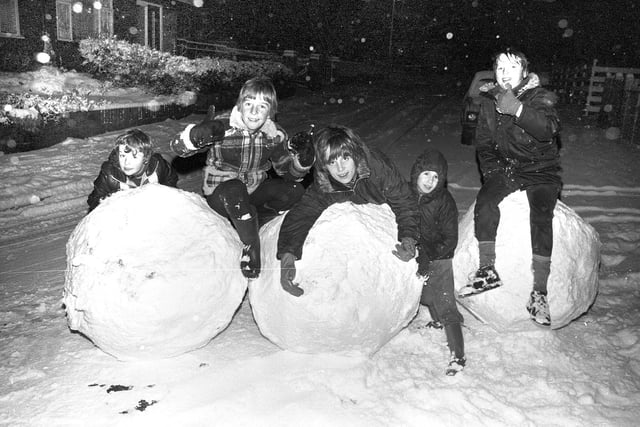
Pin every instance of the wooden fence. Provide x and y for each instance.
(610, 95)
(193, 49)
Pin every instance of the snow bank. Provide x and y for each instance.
(573, 283)
(357, 294)
(152, 273)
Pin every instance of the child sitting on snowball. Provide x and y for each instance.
(437, 243)
(517, 149)
(242, 148)
(132, 163)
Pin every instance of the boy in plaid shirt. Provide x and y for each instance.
(242, 147)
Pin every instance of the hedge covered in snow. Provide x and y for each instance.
(130, 64)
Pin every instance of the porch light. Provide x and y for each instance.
(43, 57)
(77, 7)
(97, 5)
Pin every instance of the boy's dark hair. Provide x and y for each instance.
(136, 140)
(340, 141)
(260, 86)
(512, 52)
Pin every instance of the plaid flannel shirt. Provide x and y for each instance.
(243, 155)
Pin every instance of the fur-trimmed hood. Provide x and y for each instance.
(531, 81)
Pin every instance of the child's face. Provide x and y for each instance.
(509, 71)
(254, 112)
(131, 160)
(427, 182)
(342, 168)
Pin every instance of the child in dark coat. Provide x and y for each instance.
(438, 241)
(346, 170)
(132, 163)
(517, 149)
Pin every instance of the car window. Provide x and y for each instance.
(481, 77)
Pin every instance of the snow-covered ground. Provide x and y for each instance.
(587, 373)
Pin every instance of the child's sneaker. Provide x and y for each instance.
(484, 279)
(456, 364)
(250, 261)
(434, 324)
(538, 308)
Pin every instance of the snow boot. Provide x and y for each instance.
(484, 279)
(455, 342)
(434, 324)
(248, 232)
(538, 308)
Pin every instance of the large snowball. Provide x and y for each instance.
(152, 273)
(357, 294)
(572, 285)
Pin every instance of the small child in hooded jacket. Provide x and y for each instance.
(437, 243)
(132, 163)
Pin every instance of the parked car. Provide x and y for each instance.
(471, 106)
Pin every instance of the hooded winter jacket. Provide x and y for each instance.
(378, 181)
(112, 178)
(438, 212)
(525, 149)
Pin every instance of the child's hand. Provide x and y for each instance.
(406, 249)
(288, 273)
(301, 145)
(207, 130)
(507, 103)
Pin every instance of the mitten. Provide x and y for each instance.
(406, 249)
(208, 130)
(507, 103)
(301, 145)
(288, 273)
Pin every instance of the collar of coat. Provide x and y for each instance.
(531, 81)
(326, 185)
(268, 128)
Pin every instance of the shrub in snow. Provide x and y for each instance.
(152, 273)
(357, 294)
(131, 64)
(572, 285)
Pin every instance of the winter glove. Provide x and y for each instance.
(507, 103)
(288, 273)
(406, 249)
(208, 130)
(424, 269)
(301, 146)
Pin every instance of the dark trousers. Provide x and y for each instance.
(438, 294)
(542, 201)
(231, 198)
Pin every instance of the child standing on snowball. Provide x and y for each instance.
(132, 163)
(243, 147)
(517, 149)
(438, 241)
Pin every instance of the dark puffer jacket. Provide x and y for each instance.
(525, 149)
(378, 182)
(112, 178)
(438, 212)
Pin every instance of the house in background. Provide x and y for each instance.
(28, 27)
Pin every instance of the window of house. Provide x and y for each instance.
(9, 19)
(77, 23)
